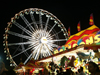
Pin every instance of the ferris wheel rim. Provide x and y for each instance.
(57, 21)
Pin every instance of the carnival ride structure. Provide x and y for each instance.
(33, 33)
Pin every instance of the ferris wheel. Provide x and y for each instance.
(33, 33)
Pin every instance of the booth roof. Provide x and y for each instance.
(91, 30)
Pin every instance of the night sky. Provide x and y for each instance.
(69, 13)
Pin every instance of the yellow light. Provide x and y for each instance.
(90, 40)
(96, 39)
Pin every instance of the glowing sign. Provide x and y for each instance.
(59, 49)
(89, 39)
(86, 40)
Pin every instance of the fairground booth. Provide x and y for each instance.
(80, 48)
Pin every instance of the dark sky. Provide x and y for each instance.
(69, 13)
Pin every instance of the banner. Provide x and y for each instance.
(91, 22)
(78, 26)
(69, 31)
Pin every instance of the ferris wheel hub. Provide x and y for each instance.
(44, 40)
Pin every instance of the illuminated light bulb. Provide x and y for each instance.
(64, 34)
(42, 13)
(7, 58)
(5, 51)
(37, 12)
(62, 30)
(31, 12)
(11, 64)
(55, 22)
(4, 44)
(47, 16)
(16, 16)
(21, 14)
(66, 38)
(3, 37)
(59, 25)
(51, 18)
(26, 12)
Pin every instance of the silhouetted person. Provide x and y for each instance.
(78, 73)
(81, 71)
(57, 72)
(3, 70)
(40, 72)
(61, 71)
(93, 68)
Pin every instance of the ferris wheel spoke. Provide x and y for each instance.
(33, 20)
(48, 52)
(34, 43)
(22, 52)
(16, 50)
(27, 23)
(23, 28)
(21, 43)
(53, 45)
(40, 20)
(56, 33)
(58, 40)
(35, 49)
(48, 49)
(46, 23)
(51, 29)
(28, 58)
(19, 35)
(38, 52)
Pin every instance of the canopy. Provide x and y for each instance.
(32, 64)
(91, 30)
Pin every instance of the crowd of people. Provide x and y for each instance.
(92, 68)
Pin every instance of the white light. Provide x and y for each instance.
(59, 25)
(47, 16)
(64, 34)
(51, 18)
(42, 13)
(99, 50)
(61, 29)
(10, 64)
(5, 51)
(26, 12)
(37, 12)
(43, 40)
(7, 58)
(55, 21)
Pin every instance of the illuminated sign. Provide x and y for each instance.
(86, 40)
(59, 49)
(89, 39)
